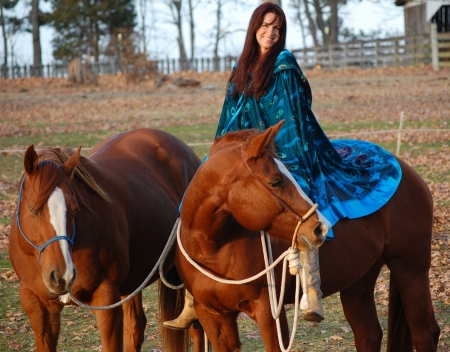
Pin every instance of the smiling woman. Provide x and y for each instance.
(269, 32)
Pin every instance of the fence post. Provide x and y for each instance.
(434, 46)
(395, 52)
(345, 55)
(330, 56)
(377, 48)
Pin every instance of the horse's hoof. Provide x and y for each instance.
(313, 316)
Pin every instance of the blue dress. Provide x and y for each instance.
(346, 178)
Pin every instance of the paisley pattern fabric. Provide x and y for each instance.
(347, 178)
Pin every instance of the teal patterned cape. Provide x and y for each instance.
(347, 178)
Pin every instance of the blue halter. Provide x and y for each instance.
(39, 248)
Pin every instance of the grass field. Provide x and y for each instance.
(360, 104)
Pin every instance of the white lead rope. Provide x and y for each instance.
(275, 306)
(225, 281)
(139, 289)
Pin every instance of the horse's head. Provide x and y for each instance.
(45, 217)
(259, 190)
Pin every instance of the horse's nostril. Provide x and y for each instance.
(53, 278)
(56, 280)
(318, 233)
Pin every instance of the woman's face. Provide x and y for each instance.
(269, 32)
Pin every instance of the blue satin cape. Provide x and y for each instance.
(347, 178)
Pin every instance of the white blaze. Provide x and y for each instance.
(326, 224)
(58, 219)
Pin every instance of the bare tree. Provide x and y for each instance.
(323, 19)
(143, 11)
(5, 4)
(333, 31)
(219, 34)
(35, 24)
(5, 43)
(297, 5)
(177, 19)
(192, 27)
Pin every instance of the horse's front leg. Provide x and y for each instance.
(221, 329)
(360, 311)
(110, 321)
(267, 325)
(45, 319)
(134, 321)
(198, 337)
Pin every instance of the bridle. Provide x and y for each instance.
(40, 248)
(301, 219)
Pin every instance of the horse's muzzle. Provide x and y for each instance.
(318, 238)
(58, 284)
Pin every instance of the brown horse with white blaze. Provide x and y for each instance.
(96, 226)
(227, 203)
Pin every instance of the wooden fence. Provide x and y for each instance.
(440, 48)
(400, 51)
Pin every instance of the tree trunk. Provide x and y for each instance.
(311, 24)
(217, 39)
(334, 28)
(96, 40)
(192, 27)
(320, 21)
(37, 61)
(5, 40)
(298, 5)
(179, 23)
(143, 9)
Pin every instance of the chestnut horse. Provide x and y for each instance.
(226, 205)
(96, 226)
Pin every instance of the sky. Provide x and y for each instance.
(366, 15)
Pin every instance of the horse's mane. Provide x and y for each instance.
(48, 174)
(236, 137)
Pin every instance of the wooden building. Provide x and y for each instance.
(419, 14)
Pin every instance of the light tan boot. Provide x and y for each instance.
(311, 300)
(187, 316)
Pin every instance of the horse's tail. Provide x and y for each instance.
(170, 306)
(399, 333)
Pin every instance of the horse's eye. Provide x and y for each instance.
(275, 183)
(35, 212)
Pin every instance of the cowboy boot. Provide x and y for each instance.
(187, 316)
(311, 300)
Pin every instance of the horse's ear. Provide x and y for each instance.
(259, 143)
(31, 160)
(69, 165)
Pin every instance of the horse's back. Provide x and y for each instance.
(168, 161)
(145, 172)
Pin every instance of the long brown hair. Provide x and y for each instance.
(251, 60)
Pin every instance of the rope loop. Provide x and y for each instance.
(294, 261)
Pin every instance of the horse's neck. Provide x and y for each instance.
(205, 222)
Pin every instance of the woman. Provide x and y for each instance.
(347, 178)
